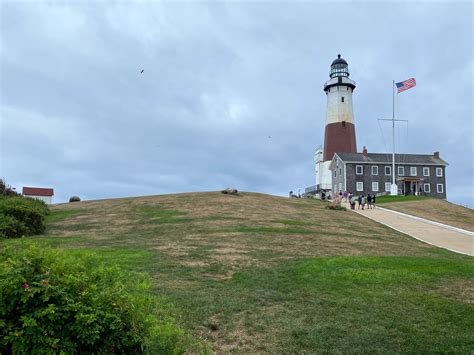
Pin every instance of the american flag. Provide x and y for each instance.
(405, 85)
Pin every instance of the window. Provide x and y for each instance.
(375, 170)
(359, 170)
(401, 171)
(426, 187)
(375, 186)
(342, 99)
(439, 188)
(388, 187)
(388, 170)
(439, 171)
(340, 171)
(359, 186)
(335, 172)
(426, 171)
(413, 171)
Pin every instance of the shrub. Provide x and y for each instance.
(74, 199)
(30, 214)
(11, 228)
(6, 190)
(52, 302)
(335, 205)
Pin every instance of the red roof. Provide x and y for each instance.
(37, 191)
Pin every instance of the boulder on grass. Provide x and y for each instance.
(230, 191)
(74, 199)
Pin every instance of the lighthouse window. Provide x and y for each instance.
(342, 99)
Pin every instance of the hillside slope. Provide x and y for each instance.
(436, 210)
(259, 273)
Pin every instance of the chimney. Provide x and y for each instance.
(364, 151)
(436, 155)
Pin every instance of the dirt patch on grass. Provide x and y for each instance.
(460, 290)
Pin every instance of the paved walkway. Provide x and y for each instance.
(440, 235)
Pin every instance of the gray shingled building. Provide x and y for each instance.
(371, 173)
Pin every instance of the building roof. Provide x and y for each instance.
(37, 191)
(383, 158)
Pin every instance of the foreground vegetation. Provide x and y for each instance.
(431, 208)
(257, 273)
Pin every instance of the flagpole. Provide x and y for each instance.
(394, 187)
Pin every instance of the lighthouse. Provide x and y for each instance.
(339, 131)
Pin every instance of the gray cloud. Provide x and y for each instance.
(219, 78)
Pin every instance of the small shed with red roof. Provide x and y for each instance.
(41, 193)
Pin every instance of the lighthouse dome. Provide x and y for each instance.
(339, 67)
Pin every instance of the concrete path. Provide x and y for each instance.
(440, 235)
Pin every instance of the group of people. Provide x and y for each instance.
(362, 201)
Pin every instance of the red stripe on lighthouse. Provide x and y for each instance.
(339, 137)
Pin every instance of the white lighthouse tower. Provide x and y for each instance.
(339, 132)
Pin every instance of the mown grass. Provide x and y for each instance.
(436, 210)
(266, 274)
(389, 199)
(59, 215)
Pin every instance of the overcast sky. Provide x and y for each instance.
(219, 80)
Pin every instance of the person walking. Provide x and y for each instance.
(369, 201)
(359, 200)
(362, 201)
(352, 201)
(373, 201)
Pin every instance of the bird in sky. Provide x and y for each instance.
(269, 136)
(142, 71)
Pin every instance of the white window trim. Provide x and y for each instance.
(361, 184)
(411, 171)
(441, 172)
(438, 188)
(425, 168)
(426, 189)
(389, 170)
(361, 168)
(389, 184)
(372, 169)
(402, 168)
(375, 183)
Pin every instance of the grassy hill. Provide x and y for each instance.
(431, 208)
(258, 273)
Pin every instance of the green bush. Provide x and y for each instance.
(29, 212)
(11, 228)
(52, 302)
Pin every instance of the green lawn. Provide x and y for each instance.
(390, 199)
(257, 273)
